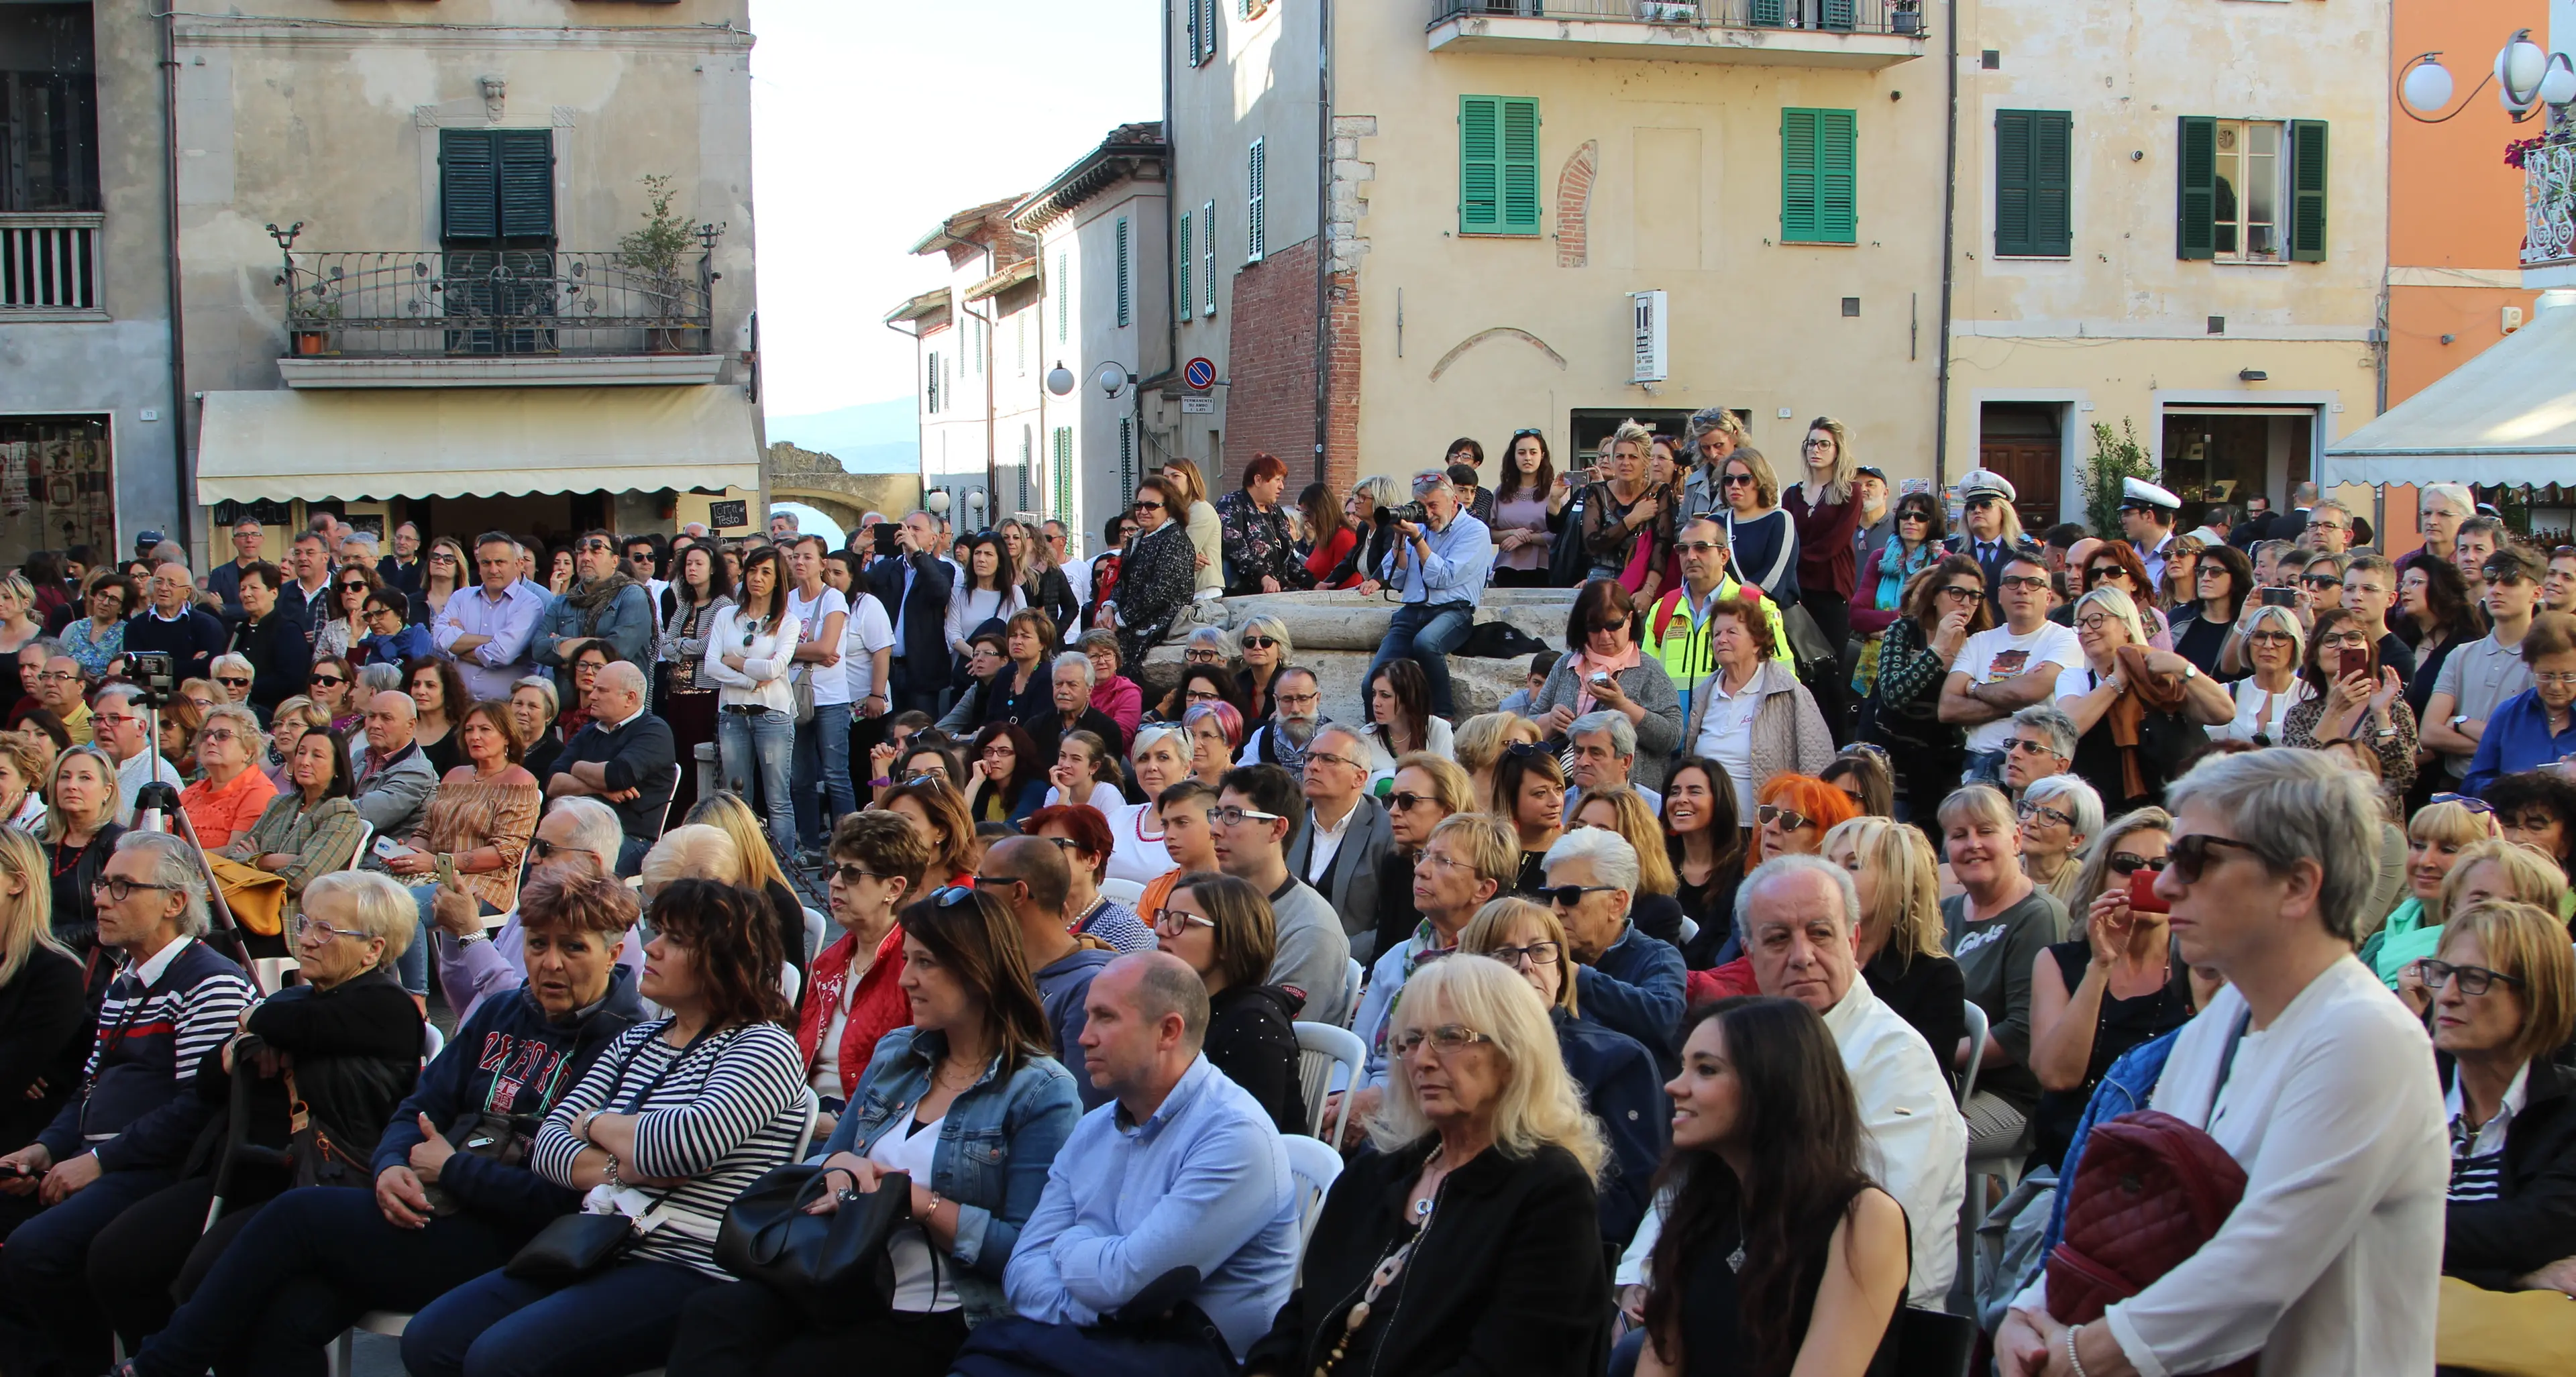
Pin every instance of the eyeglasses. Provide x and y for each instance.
(595, 546)
(1567, 896)
(1201, 655)
(2191, 853)
(353, 585)
(2321, 580)
(2025, 583)
(2272, 638)
(305, 926)
(2328, 526)
(64, 676)
(2029, 746)
(1172, 922)
(1535, 954)
(1258, 643)
(118, 889)
(2553, 678)
(1815, 444)
(1149, 506)
(1736, 480)
(218, 734)
(2343, 640)
(1960, 593)
(2026, 810)
(2469, 801)
(849, 874)
(1447, 1040)
(2128, 863)
(226, 680)
(2474, 980)
(1230, 815)
(1789, 820)
(1331, 759)
(998, 881)
(1697, 546)
(1402, 801)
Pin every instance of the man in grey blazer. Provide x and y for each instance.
(391, 780)
(1345, 835)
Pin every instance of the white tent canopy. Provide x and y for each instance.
(2506, 417)
(355, 444)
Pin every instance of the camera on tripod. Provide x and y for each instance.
(1414, 512)
(155, 673)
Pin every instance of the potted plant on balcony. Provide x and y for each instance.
(312, 326)
(1906, 17)
(653, 254)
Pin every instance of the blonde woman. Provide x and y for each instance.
(1480, 741)
(1515, 1282)
(1615, 1071)
(1902, 952)
(84, 815)
(1625, 516)
(18, 620)
(1375, 537)
(286, 726)
(43, 1018)
(2115, 983)
(2491, 871)
(232, 791)
(2436, 837)
(1261, 647)
(1715, 432)
(756, 867)
(1207, 530)
(26, 758)
(1826, 514)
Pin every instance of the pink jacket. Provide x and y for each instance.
(1122, 702)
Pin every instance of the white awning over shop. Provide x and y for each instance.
(355, 445)
(2506, 417)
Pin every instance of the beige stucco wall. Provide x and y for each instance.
(1686, 199)
(2123, 320)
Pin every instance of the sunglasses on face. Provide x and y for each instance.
(2321, 580)
(2105, 571)
(1696, 546)
(2191, 853)
(2129, 863)
(1733, 480)
(1567, 896)
(1912, 516)
(1258, 643)
(595, 547)
(1149, 506)
(1788, 820)
(229, 682)
(1404, 802)
(2026, 746)
(327, 681)
(1979, 504)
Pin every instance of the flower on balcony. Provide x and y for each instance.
(2516, 150)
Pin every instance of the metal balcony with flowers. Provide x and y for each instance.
(2548, 166)
(1864, 34)
(460, 317)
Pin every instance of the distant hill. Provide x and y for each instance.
(877, 437)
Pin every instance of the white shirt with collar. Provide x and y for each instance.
(1325, 843)
(2471, 1142)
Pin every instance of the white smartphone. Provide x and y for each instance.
(387, 848)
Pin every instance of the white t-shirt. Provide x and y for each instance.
(1993, 656)
(1726, 736)
(829, 688)
(864, 634)
(917, 1285)
(1104, 796)
(1139, 854)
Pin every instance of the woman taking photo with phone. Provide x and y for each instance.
(2110, 987)
(2351, 695)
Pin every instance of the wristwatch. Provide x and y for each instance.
(2457, 719)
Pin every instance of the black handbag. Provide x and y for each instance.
(834, 1267)
(575, 1247)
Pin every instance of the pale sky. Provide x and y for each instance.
(871, 121)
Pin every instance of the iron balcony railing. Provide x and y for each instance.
(49, 262)
(438, 302)
(1831, 16)
(2549, 202)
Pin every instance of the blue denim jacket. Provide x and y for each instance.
(2125, 1089)
(995, 1146)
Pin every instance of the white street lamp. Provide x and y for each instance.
(2426, 85)
(1059, 380)
(2520, 67)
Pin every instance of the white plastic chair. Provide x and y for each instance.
(1315, 1165)
(1351, 986)
(813, 1116)
(1323, 1051)
(432, 1042)
(1977, 1026)
(818, 930)
(667, 799)
(1126, 892)
(366, 838)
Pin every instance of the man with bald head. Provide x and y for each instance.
(172, 624)
(476, 959)
(1031, 876)
(623, 758)
(1183, 1170)
(391, 777)
(1345, 834)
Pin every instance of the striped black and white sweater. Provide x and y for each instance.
(729, 1110)
(139, 1109)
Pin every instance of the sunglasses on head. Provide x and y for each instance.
(2469, 801)
(950, 896)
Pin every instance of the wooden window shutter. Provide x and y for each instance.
(1770, 14)
(1797, 176)
(1185, 265)
(1192, 30)
(527, 159)
(469, 181)
(2308, 191)
(1840, 14)
(1063, 471)
(933, 366)
(1123, 315)
(2031, 183)
(1256, 177)
(1519, 163)
(1480, 173)
(2196, 199)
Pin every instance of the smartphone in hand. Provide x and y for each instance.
(2143, 897)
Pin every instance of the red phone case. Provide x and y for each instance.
(2143, 897)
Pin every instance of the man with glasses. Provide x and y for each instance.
(62, 688)
(402, 569)
(2369, 590)
(1297, 716)
(225, 582)
(2041, 743)
(478, 957)
(2007, 668)
(2329, 528)
(2480, 676)
(1345, 834)
(2533, 731)
(623, 757)
(915, 586)
(1677, 625)
(602, 605)
(2147, 515)
(1798, 918)
(1258, 809)
(1439, 567)
(1033, 876)
(390, 778)
(277, 646)
(172, 624)
(1992, 531)
(126, 1131)
(1625, 980)
(486, 630)
(125, 733)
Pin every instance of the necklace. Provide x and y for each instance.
(1388, 1269)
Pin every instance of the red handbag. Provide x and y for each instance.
(2149, 1191)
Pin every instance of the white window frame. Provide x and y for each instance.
(1207, 261)
(2235, 168)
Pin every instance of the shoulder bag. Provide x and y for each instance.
(575, 1247)
(835, 1267)
(1806, 640)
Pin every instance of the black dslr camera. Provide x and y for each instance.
(1414, 512)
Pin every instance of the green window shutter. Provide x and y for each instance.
(1256, 177)
(933, 388)
(469, 182)
(1480, 172)
(1123, 316)
(2308, 191)
(1026, 458)
(1819, 190)
(2031, 183)
(1063, 295)
(1126, 461)
(1770, 14)
(1185, 265)
(527, 158)
(2196, 200)
(1520, 165)
(1191, 29)
(2013, 180)
(2052, 220)
(1063, 471)
(1839, 14)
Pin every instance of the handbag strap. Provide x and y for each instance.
(1779, 558)
(2227, 1064)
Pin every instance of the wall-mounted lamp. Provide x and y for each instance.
(2252, 375)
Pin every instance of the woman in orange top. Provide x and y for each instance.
(480, 820)
(228, 797)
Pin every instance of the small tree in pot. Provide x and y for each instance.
(653, 253)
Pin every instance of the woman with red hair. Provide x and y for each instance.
(1260, 548)
(1088, 912)
(1793, 813)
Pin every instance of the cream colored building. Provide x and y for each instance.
(2175, 217)
(455, 329)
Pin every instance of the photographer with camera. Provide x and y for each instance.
(125, 732)
(1439, 565)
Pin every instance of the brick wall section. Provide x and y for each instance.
(1574, 207)
(1270, 364)
(1342, 378)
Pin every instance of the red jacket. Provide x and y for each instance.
(879, 1009)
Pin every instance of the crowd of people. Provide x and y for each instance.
(1839, 900)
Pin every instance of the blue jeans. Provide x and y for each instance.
(822, 774)
(1984, 767)
(44, 1276)
(618, 1322)
(761, 743)
(1425, 634)
(413, 964)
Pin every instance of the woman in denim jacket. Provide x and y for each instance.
(968, 1104)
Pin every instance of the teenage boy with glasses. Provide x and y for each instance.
(1258, 808)
(2010, 667)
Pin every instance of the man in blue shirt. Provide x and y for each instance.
(1182, 1170)
(1440, 566)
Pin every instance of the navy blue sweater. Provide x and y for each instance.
(133, 1113)
(195, 638)
(510, 1057)
(1623, 1090)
